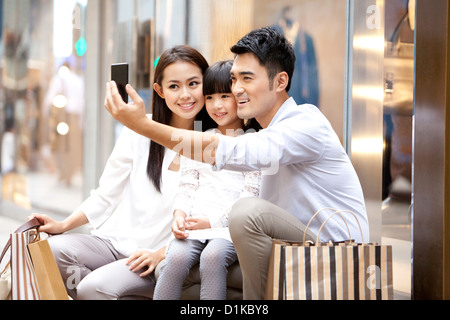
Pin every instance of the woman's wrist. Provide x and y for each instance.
(77, 219)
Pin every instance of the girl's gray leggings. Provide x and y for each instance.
(214, 256)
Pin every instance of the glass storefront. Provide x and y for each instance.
(52, 157)
(42, 109)
(398, 114)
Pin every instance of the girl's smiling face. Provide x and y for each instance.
(222, 108)
(182, 89)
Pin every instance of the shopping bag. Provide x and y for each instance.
(24, 284)
(23, 278)
(51, 285)
(5, 284)
(330, 271)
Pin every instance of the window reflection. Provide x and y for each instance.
(305, 78)
(398, 110)
(317, 31)
(41, 115)
(398, 122)
(63, 106)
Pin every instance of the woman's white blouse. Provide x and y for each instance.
(126, 208)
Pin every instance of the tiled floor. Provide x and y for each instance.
(396, 231)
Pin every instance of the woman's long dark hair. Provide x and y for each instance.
(162, 113)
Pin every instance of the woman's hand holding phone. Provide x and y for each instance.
(132, 114)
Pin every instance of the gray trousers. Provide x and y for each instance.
(253, 223)
(93, 270)
(214, 256)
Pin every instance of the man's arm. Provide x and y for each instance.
(191, 144)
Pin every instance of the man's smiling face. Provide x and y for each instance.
(252, 88)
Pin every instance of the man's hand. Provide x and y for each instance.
(133, 114)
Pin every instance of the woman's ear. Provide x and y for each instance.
(158, 90)
(281, 81)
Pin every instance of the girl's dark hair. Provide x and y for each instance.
(217, 79)
(162, 113)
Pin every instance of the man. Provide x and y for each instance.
(304, 166)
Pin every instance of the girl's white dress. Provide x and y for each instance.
(207, 193)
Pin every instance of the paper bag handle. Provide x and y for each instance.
(29, 225)
(339, 212)
(326, 221)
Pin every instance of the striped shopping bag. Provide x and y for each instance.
(329, 271)
(24, 284)
(23, 280)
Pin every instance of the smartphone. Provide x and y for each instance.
(119, 74)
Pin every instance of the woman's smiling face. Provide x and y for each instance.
(182, 89)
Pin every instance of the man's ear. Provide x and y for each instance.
(158, 90)
(281, 81)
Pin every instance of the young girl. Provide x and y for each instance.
(129, 210)
(204, 198)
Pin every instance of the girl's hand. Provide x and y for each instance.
(179, 226)
(193, 223)
(145, 261)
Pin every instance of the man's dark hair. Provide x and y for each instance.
(272, 49)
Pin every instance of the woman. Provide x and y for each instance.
(129, 214)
